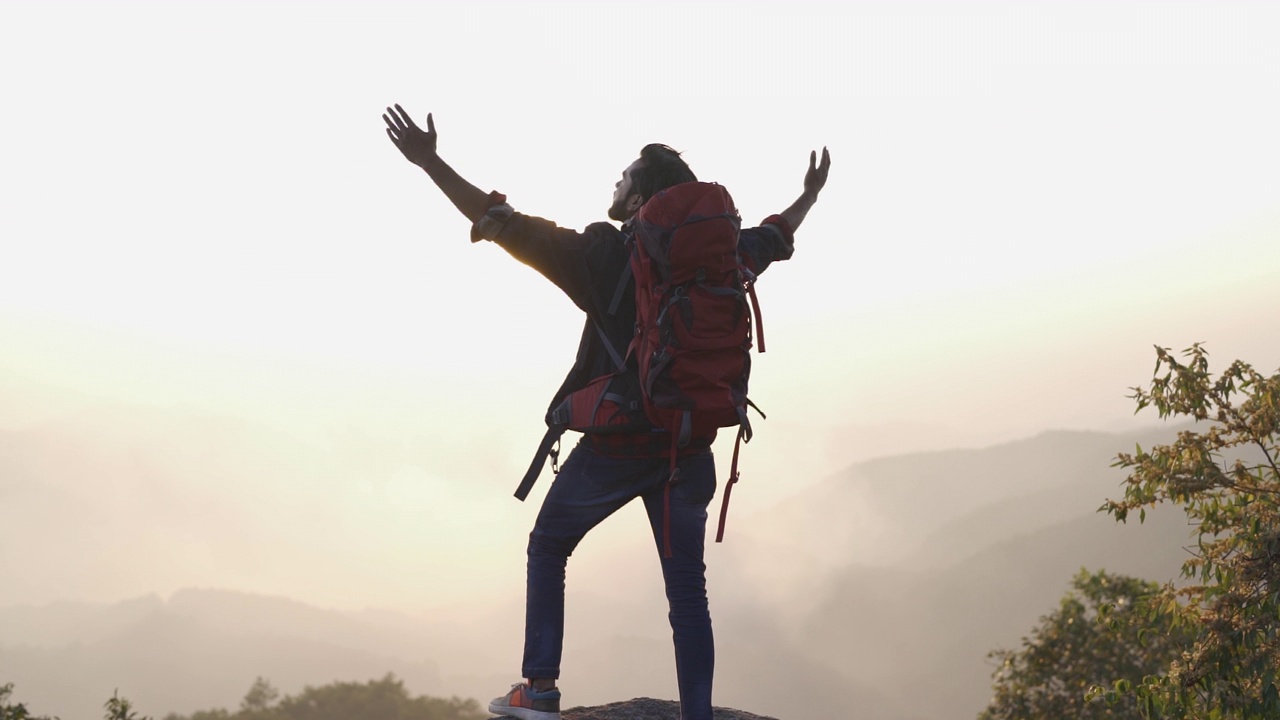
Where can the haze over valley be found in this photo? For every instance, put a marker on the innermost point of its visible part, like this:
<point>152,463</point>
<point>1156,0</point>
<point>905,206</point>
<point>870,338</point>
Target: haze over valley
<point>263,405</point>
<point>893,572</point>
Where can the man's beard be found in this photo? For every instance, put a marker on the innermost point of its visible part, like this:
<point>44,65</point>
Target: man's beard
<point>618,211</point>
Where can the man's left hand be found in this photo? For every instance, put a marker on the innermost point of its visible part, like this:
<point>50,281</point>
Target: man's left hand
<point>816,177</point>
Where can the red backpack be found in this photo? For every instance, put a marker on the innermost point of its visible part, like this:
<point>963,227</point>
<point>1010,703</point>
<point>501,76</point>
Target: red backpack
<point>693,334</point>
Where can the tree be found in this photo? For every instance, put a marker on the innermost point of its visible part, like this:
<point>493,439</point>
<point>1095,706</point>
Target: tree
<point>16,711</point>
<point>1223,473</point>
<point>258,700</point>
<point>385,699</point>
<point>119,708</point>
<point>1098,635</point>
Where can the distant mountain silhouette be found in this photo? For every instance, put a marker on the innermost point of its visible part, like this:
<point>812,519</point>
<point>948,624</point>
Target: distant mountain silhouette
<point>202,649</point>
<point>941,623</point>
<point>884,510</point>
<point>882,588</point>
<point>969,548</point>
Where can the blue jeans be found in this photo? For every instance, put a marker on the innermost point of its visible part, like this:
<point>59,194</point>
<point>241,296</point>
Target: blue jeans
<point>589,488</point>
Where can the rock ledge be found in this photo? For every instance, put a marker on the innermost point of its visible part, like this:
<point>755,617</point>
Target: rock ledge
<point>648,709</point>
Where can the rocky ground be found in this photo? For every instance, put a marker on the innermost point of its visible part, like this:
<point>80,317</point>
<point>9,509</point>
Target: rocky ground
<point>648,709</point>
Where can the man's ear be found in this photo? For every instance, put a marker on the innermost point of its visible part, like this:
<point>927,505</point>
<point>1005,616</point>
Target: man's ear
<point>634,201</point>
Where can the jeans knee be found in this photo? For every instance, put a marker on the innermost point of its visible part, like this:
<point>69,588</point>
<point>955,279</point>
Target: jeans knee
<point>543,546</point>
<point>688,597</point>
<point>688,600</point>
<point>690,620</point>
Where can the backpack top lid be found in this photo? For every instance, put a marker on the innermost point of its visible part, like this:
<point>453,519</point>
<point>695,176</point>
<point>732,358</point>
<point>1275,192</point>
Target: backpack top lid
<point>688,226</point>
<point>686,202</point>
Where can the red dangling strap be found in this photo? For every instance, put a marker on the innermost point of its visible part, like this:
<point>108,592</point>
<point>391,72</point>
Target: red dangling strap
<point>728,487</point>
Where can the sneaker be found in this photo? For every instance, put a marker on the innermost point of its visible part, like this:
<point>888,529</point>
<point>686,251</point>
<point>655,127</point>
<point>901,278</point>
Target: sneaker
<point>528,704</point>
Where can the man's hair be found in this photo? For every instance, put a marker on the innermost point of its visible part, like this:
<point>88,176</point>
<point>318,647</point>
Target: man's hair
<point>660,168</point>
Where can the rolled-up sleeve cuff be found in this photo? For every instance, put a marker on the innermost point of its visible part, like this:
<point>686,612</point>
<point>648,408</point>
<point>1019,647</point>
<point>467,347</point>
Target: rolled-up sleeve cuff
<point>787,246</point>
<point>490,225</point>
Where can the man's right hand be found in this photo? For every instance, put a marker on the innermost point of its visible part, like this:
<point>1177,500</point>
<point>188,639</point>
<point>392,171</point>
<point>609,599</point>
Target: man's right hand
<point>418,147</point>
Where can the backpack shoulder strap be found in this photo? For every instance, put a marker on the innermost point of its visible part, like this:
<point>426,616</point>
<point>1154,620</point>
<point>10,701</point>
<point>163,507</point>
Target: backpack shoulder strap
<point>545,449</point>
<point>622,287</point>
<point>614,355</point>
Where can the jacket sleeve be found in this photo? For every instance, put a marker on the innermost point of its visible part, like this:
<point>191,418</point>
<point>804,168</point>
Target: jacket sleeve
<point>762,246</point>
<point>573,260</point>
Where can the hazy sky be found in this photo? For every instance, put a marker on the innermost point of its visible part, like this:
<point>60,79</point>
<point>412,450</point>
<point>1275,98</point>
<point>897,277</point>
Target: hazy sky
<point>199,209</point>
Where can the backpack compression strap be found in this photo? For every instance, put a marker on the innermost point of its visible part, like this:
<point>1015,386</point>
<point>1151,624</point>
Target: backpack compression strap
<point>744,435</point>
<point>728,487</point>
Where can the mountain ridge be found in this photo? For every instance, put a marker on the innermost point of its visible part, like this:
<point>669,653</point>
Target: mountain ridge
<point>830,621</point>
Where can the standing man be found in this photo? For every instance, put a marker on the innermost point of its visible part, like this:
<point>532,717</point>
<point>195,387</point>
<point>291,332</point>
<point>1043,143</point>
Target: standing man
<point>605,472</point>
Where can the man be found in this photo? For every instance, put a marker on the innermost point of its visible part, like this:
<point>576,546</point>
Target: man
<point>605,472</point>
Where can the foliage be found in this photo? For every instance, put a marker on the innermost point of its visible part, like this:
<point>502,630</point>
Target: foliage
<point>385,699</point>
<point>1224,475</point>
<point>119,708</point>
<point>1098,634</point>
<point>16,711</point>
<point>260,696</point>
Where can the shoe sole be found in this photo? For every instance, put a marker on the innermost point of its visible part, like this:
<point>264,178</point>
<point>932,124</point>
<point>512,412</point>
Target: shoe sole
<point>522,713</point>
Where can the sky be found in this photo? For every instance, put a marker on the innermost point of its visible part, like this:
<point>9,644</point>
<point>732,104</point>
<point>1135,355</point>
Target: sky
<point>199,210</point>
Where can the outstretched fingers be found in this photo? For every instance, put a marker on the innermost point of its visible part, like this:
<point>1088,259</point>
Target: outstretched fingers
<point>400,124</point>
<point>404,117</point>
<point>396,122</point>
<point>418,147</point>
<point>813,161</point>
<point>816,177</point>
<point>395,126</point>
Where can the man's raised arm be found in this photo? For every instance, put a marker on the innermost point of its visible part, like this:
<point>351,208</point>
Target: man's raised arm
<point>775,238</point>
<point>419,148</point>
<point>814,180</point>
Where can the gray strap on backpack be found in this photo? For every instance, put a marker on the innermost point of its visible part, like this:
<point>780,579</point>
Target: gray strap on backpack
<point>613,352</point>
<point>617,294</point>
<point>617,358</point>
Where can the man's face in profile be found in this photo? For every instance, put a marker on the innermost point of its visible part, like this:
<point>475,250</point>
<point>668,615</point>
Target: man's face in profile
<point>625,202</point>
